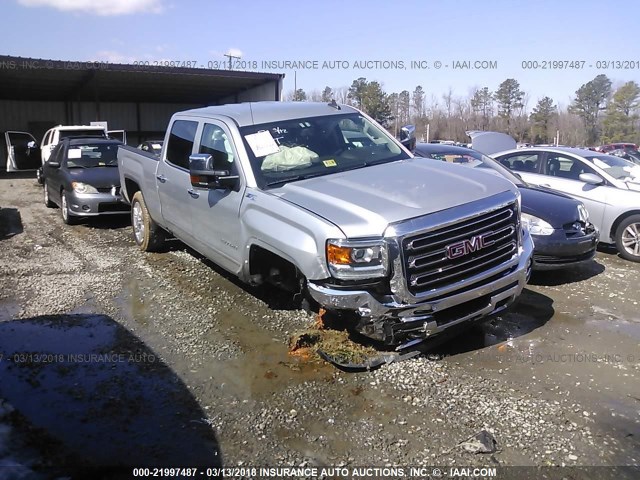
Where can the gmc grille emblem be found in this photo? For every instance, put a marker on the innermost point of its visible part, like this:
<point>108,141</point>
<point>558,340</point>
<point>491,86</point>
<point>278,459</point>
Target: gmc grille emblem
<point>465,247</point>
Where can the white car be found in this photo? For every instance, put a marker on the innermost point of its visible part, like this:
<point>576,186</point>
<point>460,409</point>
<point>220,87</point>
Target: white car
<point>608,186</point>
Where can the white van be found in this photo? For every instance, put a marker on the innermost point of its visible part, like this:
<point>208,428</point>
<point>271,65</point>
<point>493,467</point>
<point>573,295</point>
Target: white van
<point>55,134</point>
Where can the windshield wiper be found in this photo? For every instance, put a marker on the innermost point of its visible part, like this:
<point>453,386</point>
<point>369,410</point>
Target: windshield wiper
<point>295,178</point>
<point>370,163</point>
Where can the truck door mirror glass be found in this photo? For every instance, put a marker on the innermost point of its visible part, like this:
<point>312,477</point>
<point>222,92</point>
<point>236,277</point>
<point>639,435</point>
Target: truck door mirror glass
<point>408,137</point>
<point>204,176</point>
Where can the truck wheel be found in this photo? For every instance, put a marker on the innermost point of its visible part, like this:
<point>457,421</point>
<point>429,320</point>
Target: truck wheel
<point>628,238</point>
<point>39,176</point>
<point>47,201</point>
<point>147,234</point>
<point>67,217</point>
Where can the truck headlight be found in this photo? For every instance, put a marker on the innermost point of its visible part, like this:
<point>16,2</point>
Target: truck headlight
<point>356,260</point>
<point>535,225</point>
<point>80,187</point>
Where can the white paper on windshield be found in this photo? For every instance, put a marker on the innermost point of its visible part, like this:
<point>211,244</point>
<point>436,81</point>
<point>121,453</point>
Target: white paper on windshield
<point>74,153</point>
<point>262,143</point>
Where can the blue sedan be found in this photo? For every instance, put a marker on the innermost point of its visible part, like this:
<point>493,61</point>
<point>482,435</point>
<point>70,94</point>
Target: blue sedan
<point>562,234</point>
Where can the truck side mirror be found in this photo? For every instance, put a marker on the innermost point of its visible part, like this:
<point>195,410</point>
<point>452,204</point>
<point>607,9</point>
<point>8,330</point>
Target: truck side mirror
<point>205,177</point>
<point>408,137</point>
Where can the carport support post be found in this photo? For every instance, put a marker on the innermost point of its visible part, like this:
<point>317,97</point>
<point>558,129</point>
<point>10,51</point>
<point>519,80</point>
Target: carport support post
<point>68,112</point>
<point>97,118</point>
<point>138,127</point>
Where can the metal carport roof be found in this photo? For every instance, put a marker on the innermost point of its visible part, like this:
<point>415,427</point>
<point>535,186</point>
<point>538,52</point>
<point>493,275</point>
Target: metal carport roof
<point>41,79</point>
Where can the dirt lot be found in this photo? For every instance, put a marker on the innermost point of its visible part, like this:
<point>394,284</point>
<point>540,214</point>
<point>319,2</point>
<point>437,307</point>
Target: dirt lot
<point>166,360</point>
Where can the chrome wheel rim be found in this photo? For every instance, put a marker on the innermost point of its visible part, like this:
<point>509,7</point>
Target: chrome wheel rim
<point>65,212</point>
<point>46,194</point>
<point>138,222</point>
<point>631,239</point>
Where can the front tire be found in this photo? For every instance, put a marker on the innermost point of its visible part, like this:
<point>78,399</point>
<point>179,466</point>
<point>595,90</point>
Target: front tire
<point>628,238</point>
<point>67,216</point>
<point>147,234</point>
<point>47,201</point>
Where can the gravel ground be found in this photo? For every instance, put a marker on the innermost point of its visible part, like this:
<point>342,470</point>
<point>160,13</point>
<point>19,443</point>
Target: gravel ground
<point>555,382</point>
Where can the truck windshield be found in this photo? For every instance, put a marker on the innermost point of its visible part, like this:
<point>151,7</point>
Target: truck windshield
<point>291,150</point>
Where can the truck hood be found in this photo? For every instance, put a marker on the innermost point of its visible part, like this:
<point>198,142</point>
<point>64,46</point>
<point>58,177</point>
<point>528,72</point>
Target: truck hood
<point>363,202</point>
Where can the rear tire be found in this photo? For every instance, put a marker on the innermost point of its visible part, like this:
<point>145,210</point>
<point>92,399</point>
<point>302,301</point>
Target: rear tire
<point>65,212</point>
<point>47,201</point>
<point>147,234</point>
<point>628,238</point>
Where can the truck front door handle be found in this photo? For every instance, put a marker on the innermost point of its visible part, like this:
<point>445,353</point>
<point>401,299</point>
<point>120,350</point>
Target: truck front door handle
<point>193,193</point>
<point>161,178</point>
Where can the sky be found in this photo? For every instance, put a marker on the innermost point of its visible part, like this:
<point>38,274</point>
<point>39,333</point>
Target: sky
<point>383,37</point>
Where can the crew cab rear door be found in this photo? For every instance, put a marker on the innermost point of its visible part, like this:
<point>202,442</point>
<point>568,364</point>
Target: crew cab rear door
<point>173,181</point>
<point>22,152</point>
<point>215,211</point>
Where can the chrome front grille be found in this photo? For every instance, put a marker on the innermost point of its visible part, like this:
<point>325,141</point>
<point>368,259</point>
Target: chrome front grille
<point>443,256</point>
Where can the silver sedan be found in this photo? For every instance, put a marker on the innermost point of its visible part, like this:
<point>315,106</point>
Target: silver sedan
<point>609,187</point>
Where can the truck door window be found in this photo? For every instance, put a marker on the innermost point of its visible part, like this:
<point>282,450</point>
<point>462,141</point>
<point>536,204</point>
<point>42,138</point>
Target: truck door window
<point>181,140</point>
<point>215,142</point>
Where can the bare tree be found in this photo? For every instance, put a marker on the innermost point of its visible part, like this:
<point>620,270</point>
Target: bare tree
<point>448,105</point>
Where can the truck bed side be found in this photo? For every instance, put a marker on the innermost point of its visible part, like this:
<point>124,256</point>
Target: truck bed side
<point>138,172</point>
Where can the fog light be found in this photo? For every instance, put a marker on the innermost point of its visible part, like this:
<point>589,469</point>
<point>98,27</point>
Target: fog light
<point>86,208</point>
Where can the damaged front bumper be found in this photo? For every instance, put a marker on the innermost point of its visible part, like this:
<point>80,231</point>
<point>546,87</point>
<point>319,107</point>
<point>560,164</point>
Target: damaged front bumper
<point>389,319</point>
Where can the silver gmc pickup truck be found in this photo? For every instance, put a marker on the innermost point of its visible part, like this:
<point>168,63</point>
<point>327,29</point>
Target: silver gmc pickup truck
<point>320,200</point>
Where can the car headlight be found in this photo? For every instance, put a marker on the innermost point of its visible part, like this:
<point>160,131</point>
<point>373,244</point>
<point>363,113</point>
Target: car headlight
<point>355,260</point>
<point>583,213</point>
<point>535,225</point>
<point>80,187</point>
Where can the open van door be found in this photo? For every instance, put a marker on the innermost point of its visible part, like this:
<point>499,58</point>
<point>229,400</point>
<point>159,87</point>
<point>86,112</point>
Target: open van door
<point>21,151</point>
<point>118,135</point>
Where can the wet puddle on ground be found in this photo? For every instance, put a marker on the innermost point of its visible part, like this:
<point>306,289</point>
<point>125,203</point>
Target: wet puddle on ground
<point>593,358</point>
<point>265,365</point>
<point>259,362</point>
